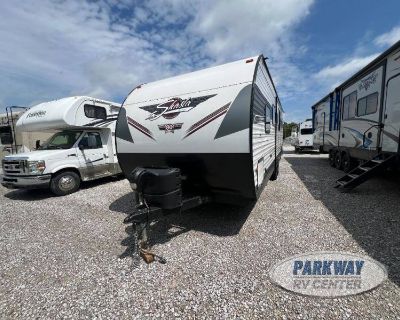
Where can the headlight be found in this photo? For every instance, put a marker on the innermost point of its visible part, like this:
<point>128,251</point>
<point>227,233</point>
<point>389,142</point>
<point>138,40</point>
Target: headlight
<point>36,167</point>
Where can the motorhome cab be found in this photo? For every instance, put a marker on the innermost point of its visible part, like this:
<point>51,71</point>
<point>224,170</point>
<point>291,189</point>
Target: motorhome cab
<point>359,122</point>
<point>304,138</point>
<point>81,146</point>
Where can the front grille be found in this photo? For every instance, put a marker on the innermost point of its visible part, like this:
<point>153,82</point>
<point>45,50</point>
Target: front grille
<point>14,167</point>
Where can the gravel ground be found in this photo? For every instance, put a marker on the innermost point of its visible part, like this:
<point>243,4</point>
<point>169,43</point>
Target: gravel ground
<point>70,257</point>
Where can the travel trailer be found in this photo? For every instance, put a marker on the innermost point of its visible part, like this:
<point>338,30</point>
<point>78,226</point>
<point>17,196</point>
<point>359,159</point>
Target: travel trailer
<point>210,135</point>
<point>304,137</point>
<point>13,141</point>
<point>81,145</point>
<point>359,122</point>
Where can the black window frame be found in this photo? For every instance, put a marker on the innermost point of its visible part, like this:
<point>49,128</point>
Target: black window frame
<point>267,115</point>
<point>343,111</point>
<point>308,129</point>
<point>86,147</point>
<point>366,104</point>
<point>6,135</point>
<point>96,109</point>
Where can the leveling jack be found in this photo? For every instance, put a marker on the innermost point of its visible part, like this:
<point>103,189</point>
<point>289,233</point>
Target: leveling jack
<point>141,228</point>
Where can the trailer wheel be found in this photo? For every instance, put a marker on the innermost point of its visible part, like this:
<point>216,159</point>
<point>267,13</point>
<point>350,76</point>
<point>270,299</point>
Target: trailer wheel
<point>275,173</point>
<point>64,183</point>
<point>338,160</point>
<point>332,154</point>
<point>347,162</point>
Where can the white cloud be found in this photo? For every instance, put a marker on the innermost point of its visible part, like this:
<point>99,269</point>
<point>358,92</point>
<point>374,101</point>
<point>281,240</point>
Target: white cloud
<point>388,38</point>
<point>237,28</point>
<point>334,75</point>
<point>78,47</point>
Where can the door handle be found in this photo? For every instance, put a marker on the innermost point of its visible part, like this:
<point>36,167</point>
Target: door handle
<point>72,155</point>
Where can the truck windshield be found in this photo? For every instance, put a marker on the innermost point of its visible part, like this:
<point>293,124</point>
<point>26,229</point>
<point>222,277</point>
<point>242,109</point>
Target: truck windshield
<point>306,131</point>
<point>61,140</point>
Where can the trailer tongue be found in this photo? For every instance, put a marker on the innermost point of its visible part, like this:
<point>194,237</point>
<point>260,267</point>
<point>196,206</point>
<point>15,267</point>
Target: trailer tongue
<point>157,192</point>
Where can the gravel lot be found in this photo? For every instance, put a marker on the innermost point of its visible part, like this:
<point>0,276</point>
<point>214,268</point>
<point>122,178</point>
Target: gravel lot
<point>70,257</point>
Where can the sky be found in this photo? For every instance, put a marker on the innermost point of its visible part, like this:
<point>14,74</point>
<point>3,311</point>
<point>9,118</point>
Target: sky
<point>53,49</point>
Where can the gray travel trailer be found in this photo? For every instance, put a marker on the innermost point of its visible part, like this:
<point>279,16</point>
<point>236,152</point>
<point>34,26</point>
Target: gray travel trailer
<point>210,135</point>
<point>358,123</point>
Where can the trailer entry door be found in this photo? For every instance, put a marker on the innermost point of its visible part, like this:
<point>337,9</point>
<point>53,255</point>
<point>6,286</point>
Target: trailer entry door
<point>391,131</point>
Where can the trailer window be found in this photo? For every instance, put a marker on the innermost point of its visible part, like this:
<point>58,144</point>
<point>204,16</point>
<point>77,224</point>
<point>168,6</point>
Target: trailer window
<point>306,131</point>
<point>367,105</point>
<point>6,135</point>
<point>349,106</point>
<point>95,112</point>
<point>268,119</point>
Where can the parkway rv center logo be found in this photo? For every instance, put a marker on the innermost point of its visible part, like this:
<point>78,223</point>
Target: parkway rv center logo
<point>328,274</point>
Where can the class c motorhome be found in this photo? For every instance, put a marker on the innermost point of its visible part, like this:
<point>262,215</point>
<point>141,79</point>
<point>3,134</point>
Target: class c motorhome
<point>358,123</point>
<point>80,146</point>
<point>210,135</point>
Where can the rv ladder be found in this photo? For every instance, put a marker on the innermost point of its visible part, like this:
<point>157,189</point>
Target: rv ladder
<point>364,171</point>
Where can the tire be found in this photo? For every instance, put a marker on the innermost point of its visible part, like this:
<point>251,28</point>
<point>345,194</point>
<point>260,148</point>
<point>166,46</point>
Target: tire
<point>275,174</point>
<point>347,162</point>
<point>332,154</point>
<point>64,183</point>
<point>338,160</point>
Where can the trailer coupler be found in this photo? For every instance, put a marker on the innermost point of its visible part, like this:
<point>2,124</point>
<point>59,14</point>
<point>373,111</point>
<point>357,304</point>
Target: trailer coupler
<point>142,217</point>
<point>157,193</point>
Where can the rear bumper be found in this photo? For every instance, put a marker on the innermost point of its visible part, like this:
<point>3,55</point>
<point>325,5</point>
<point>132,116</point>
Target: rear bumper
<point>26,182</point>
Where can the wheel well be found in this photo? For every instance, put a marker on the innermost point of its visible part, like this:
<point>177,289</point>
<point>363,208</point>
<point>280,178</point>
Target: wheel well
<point>67,169</point>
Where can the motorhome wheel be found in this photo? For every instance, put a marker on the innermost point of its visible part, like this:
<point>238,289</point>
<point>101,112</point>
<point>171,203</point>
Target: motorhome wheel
<point>65,183</point>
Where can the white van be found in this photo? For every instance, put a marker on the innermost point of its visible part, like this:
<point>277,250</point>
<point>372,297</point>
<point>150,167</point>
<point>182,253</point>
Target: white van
<point>81,148</point>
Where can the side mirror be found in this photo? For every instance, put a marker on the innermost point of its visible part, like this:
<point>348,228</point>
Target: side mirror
<point>37,144</point>
<point>81,147</point>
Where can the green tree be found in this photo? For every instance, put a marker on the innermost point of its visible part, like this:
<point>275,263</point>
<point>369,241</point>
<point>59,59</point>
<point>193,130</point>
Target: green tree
<point>287,128</point>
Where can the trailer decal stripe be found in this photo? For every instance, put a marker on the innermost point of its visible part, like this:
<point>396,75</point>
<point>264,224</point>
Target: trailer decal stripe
<point>139,127</point>
<point>391,136</point>
<point>236,119</point>
<point>206,120</point>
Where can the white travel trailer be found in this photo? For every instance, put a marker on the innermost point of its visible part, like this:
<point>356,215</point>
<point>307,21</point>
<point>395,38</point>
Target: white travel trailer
<point>14,141</point>
<point>359,123</point>
<point>210,135</point>
<point>81,147</point>
<point>304,137</point>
